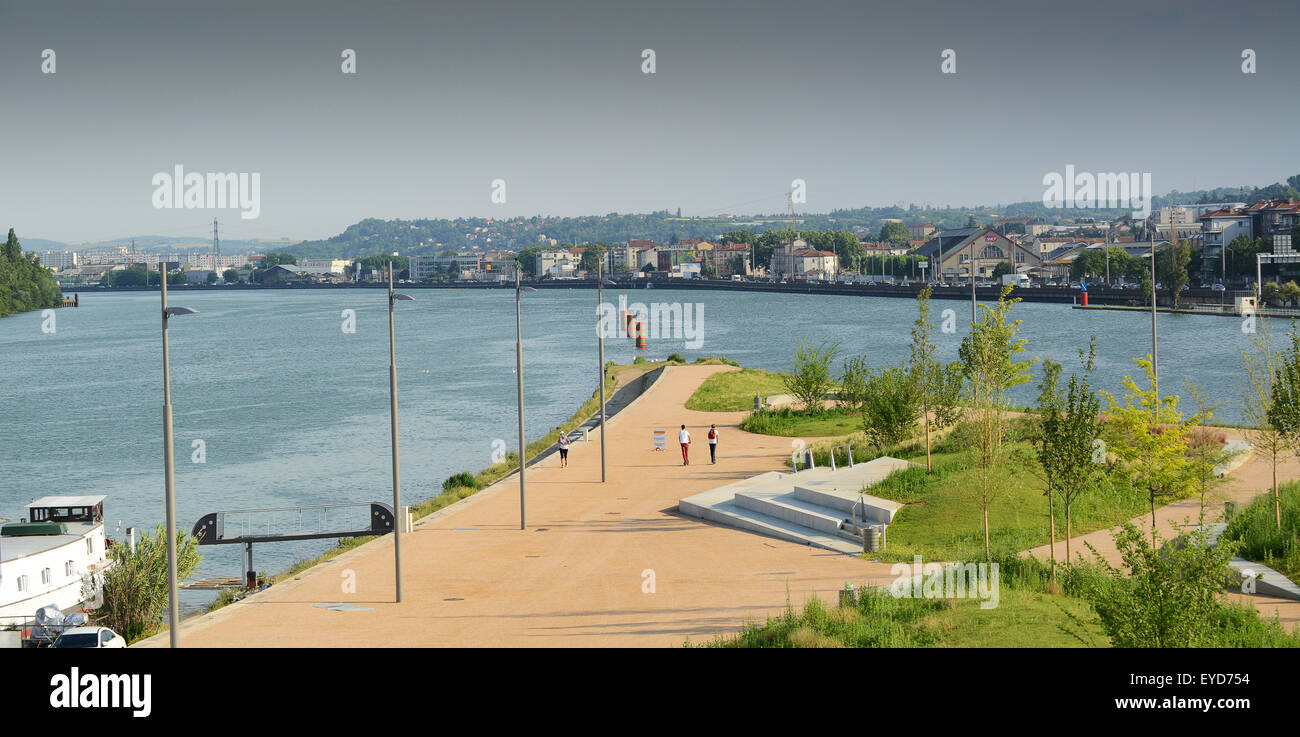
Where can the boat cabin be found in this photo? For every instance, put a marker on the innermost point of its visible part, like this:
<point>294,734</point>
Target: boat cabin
<point>88,509</point>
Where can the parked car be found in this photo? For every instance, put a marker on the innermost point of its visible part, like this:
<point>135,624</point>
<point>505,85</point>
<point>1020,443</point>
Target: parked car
<point>89,637</point>
<point>1218,287</point>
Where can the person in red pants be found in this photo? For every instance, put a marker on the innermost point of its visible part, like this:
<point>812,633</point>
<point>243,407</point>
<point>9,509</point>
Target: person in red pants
<point>684,437</point>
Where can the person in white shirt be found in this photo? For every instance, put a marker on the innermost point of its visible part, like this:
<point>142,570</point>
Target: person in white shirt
<point>713,443</point>
<point>564,450</point>
<point>684,437</point>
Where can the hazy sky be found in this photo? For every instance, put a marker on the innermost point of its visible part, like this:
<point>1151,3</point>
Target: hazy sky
<point>550,97</point>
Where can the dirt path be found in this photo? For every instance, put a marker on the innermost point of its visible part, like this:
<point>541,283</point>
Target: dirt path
<point>577,576</point>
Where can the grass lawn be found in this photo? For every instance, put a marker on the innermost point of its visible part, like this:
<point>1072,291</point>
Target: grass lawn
<point>734,391</point>
<point>944,521</point>
<point>788,422</point>
<point>1021,619</point>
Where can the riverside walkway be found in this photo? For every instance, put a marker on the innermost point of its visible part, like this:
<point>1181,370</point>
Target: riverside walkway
<point>581,574</point>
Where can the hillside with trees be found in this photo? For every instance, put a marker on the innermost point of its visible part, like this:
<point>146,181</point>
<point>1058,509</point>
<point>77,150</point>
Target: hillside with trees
<point>24,283</point>
<point>428,237</point>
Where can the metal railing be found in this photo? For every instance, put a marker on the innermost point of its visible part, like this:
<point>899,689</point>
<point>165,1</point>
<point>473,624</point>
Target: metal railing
<point>294,523</point>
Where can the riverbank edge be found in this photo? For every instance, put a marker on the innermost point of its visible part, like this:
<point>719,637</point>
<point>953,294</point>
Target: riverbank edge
<point>486,492</point>
<point>1057,295</point>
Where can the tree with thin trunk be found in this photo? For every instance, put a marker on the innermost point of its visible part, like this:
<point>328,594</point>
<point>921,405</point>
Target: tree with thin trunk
<point>938,387</point>
<point>1148,434</point>
<point>1261,363</point>
<point>1284,408</point>
<point>1069,427</point>
<point>989,367</point>
<point>1206,449</point>
<point>810,378</point>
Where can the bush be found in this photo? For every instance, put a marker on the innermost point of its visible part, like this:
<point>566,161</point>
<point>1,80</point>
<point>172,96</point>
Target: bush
<point>135,587</point>
<point>638,359</point>
<point>1161,597</point>
<point>463,479</point>
<point>1255,527</point>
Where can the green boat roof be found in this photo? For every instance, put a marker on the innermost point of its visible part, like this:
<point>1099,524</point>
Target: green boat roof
<point>25,529</point>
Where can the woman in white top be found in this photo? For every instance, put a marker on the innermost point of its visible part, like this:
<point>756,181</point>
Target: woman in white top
<point>564,450</point>
<point>713,443</point>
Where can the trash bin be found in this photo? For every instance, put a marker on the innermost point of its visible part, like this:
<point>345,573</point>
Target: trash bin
<point>1229,510</point>
<point>872,538</point>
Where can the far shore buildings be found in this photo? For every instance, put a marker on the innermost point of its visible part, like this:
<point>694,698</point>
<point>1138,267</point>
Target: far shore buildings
<point>950,252</point>
<point>794,260</point>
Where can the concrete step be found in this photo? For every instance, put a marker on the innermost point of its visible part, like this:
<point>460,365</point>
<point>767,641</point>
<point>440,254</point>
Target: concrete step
<point>731,515</point>
<point>867,509</point>
<point>792,509</point>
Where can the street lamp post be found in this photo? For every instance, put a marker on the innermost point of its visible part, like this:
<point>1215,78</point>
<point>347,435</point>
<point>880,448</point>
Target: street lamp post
<point>1155,371</point>
<point>600,332</point>
<point>399,519</point>
<point>519,373</point>
<point>169,463</point>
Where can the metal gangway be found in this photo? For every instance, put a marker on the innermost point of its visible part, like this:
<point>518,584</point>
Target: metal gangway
<point>286,524</point>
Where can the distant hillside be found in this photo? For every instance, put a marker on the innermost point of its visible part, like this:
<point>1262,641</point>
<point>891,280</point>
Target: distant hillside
<point>416,237</point>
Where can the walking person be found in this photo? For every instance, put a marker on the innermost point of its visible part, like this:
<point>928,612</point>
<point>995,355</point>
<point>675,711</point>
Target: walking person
<point>713,443</point>
<point>564,450</point>
<point>684,437</point>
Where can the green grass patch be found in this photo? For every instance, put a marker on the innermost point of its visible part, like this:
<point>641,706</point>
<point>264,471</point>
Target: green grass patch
<point>1030,612</point>
<point>1022,618</point>
<point>734,391</point>
<point>1255,527</point>
<point>790,422</point>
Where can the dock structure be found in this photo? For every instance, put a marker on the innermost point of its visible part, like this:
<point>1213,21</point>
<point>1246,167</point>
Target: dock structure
<point>285,524</point>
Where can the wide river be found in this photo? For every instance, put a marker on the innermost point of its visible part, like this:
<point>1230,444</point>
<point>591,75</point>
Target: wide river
<point>293,410</point>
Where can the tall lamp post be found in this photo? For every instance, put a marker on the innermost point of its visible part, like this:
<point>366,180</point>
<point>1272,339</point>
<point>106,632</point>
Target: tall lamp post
<point>519,374</point>
<point>601,283</point>
<point>1155,371</point>
<point>399,519</point>
<point>169,463</point>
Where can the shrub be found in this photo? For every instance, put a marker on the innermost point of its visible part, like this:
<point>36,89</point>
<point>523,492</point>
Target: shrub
<point>464,478</point>
<point>675,358</point>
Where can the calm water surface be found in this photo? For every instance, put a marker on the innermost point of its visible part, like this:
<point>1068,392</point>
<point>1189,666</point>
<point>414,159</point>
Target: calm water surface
<point>294,411</point>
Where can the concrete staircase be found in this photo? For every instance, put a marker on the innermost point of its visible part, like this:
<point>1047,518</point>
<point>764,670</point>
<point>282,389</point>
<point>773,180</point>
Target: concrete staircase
<point>817,507</point>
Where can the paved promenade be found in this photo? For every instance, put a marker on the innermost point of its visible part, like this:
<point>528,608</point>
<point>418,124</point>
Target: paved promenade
<point>580,575</point>
<point>574,578</point>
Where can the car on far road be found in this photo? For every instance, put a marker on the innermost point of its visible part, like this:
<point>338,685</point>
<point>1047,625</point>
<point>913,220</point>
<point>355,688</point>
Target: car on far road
<point>1218,287</point>
<point>89,637</point>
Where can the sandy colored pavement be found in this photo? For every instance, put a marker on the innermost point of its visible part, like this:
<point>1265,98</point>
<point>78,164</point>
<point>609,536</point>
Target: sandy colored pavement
<point>575,577</point>
<point>581,574</point>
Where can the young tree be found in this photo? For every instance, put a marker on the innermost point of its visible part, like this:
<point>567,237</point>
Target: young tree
<point>937,386</point>
<point>890,412</point>
<point>810,378</point>
<point>1262,364</point>
<point>990,369</point>
<point>1205,448</point>
<point>1069,425</point>
<point>1284,408</point>
<point>1149,436</point>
